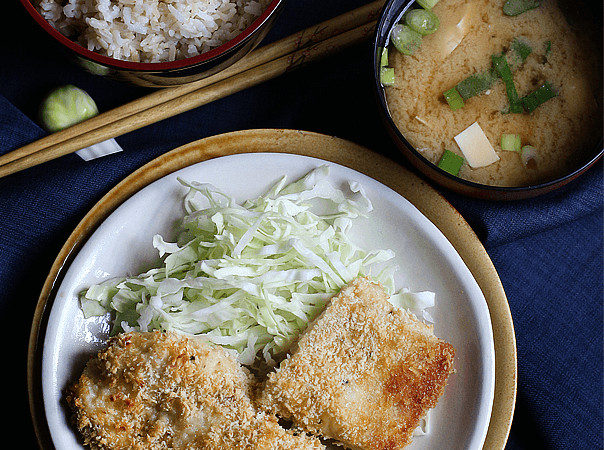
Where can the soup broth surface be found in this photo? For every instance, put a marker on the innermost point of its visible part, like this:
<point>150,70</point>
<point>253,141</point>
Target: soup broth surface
<point>564,130</point>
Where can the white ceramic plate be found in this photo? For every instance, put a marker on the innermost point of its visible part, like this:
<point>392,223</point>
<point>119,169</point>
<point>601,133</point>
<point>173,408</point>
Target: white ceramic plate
<point>122,245</point>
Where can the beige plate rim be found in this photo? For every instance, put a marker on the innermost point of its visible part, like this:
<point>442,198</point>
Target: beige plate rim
<point>427,200</point>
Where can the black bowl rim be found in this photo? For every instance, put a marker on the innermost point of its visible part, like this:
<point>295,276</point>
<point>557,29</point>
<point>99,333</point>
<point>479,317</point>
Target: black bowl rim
<point>545,186</point>
<point>152,67</point>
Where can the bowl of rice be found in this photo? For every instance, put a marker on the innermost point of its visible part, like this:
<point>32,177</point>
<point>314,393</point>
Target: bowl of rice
<point>486,104</point>
<point>155,43</point>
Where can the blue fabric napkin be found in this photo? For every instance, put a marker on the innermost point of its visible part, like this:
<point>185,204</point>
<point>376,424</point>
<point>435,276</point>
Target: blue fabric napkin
<point>548,253</point>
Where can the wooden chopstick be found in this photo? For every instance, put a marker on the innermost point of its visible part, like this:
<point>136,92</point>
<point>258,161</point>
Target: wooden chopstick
<point>260,65</point>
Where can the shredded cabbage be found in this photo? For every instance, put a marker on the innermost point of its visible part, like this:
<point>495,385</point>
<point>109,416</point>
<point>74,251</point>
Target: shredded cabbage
<point>250,277</point>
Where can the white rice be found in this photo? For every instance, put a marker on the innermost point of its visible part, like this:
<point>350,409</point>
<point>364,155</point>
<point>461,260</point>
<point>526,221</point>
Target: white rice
<point>150,30</point>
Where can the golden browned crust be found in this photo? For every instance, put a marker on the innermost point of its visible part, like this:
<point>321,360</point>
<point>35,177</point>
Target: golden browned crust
<point>165,390</point>
<point>364,373</point>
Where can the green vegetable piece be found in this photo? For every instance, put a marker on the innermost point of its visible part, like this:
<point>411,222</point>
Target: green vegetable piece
<point>516,7</point>
<point>427,4</point>
<point>405,40</point>
<point>501,66</point>
<point>65,106</point>
<point>476,84</point>
<point>386,73</point>
<point>384,57</point>
<point>450,162</point>
<point>528,156</point>
<point>387,76</point>
<point>454,99</point>
<point>539,96</point>
<point>520,50</point>
<point>510,142</point>
<point>548,48</point>
<point>423,21</point>
<point>515,108</point>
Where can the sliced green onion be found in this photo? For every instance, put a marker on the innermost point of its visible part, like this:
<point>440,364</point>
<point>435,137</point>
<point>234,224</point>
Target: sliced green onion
<point>422,20</point>
<point>405,39</point>
<point>476,84</point>
<point>454,99</point>
<point>510,142</point>
<point>529,156</point>
<point>503,69</point>
<point>539,96</point>
<point>427,4</point>
<point>384,57</point>
<point>450,162</point>
<point>519,51</point>
<point>516,7</point>
<point>387,76</point>
<point>548,48</point>
<point>386,73</point>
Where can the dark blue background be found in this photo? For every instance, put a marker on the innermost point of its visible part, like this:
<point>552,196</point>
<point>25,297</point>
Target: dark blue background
<point>548,251</point>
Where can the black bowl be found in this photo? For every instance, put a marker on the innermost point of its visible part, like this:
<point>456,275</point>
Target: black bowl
<point>391,14</point>
<point>164,74</point>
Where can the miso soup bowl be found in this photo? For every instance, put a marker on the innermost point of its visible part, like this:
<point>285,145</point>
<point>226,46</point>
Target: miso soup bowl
<point>392,14</point>
<point>163,74</point>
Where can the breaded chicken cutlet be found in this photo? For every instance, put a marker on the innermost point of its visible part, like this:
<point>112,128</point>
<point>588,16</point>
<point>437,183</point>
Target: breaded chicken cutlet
<point>165,390</point>
<point>363,374</point>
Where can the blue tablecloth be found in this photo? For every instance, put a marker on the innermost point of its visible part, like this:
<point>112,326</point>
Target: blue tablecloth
<point>548,251</point>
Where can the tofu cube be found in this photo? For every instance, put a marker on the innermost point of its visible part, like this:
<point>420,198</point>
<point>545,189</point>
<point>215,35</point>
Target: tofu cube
<point>476,147</point>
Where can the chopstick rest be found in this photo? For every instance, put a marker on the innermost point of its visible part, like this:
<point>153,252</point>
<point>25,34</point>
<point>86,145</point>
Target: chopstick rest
<point>108,147</point>
<point>68,105</point>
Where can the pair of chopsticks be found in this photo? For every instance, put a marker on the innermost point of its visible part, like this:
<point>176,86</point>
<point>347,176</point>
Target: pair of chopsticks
<point>260,65</point>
